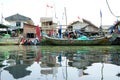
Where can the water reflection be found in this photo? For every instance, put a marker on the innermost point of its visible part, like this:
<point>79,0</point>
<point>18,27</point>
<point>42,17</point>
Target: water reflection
<point>39,63</point>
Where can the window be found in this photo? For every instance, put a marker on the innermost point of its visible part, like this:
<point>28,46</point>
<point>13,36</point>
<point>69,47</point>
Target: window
<point>50,23</point>
<point>30,35</point>
<point>18,24</point>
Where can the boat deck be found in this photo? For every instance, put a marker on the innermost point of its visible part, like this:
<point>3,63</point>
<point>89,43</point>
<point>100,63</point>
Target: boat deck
<point>9,41</point>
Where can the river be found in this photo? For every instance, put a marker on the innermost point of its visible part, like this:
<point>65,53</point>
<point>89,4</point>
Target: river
<point>19,62</point>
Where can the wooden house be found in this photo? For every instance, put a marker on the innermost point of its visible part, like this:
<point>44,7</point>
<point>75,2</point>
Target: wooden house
<point>17,22</point>
<point>47,24</point>
<point>29,31</point>
<point>85,26</point>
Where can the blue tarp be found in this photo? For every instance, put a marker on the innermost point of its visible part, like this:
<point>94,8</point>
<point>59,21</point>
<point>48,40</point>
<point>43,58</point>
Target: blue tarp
<point>83,38</point>
<point>113,28</point>
<point>78,31</point>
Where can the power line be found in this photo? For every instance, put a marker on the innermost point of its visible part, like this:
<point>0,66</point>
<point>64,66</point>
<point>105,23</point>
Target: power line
<point>111,10</point>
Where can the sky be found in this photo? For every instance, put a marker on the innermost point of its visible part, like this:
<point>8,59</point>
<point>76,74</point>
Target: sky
<point>87,9</point>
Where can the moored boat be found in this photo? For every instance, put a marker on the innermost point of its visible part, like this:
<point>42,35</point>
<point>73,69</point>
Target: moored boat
<point>5,38</point>
<point>9,41</point>
<point>62,41</point>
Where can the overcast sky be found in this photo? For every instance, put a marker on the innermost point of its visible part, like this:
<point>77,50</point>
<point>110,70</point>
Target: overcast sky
<point>87,9</point>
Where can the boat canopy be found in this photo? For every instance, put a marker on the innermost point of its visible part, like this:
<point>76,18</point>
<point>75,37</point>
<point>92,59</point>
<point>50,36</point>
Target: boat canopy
<point>3,26</point>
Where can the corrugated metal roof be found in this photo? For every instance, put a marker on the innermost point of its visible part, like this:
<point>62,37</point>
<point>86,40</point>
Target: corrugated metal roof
<point>17,17</point>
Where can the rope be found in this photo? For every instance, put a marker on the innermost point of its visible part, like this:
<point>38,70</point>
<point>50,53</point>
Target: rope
<point>110,9</point>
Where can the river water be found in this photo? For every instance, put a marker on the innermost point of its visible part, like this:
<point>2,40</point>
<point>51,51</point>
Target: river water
<point>59,62</point>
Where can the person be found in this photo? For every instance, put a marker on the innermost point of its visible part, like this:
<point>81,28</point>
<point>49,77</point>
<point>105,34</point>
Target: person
<point>119,29</point>
<point>66,33</point>
<point>22,41</point>
<point>60,33</point>
<point>36,41</point>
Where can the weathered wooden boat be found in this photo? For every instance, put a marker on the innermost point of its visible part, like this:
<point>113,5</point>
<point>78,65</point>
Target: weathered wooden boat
<point>58,41</point>
<point>9,41</point>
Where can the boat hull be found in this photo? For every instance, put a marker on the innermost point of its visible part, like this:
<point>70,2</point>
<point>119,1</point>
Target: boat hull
<point>9,41</point>
<point>57,41</point>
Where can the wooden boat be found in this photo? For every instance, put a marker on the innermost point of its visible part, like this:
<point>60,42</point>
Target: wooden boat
<point>58,41</point>
<point>9,41</point>
<point>6,39</point>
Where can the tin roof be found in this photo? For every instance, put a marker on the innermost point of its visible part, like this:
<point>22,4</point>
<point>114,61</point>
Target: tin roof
<point>17,17</point>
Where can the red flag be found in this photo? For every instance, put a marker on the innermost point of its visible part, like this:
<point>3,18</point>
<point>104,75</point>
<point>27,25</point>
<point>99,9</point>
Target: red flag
<point>38,33</point>
<point>49,6</point>
<point>78,17</point>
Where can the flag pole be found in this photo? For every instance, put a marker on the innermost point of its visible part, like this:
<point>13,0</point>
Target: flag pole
<point>101,32</point>
<point>65,15</point>
<point>100,19</point>
<point>66,56</point>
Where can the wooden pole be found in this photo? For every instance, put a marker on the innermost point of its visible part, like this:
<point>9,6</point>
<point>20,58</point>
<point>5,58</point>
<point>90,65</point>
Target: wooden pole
<point>65,15</point>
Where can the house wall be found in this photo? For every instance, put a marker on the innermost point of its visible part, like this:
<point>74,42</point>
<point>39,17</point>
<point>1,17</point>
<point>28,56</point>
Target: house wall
<point>28,29</point>
<point>48,25</point>
<point>13,23</point>
<point>85,27</point>
<point>46,19</point>
<point>106,28</point>
<point>91,29</point>
<point>79,25</point>
<point>48,28</point>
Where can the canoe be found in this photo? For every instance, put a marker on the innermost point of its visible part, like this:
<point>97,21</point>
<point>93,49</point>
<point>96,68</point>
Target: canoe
<point>9,41</point>
<point>58,41</point>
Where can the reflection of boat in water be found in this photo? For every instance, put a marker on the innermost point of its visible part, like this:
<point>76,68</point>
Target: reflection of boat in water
<point>57,41</point>
<point>9,62</point>
<point>81,64</point>
<point>47,71</point>
<point>79,60</point>
<point>48,65</point>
